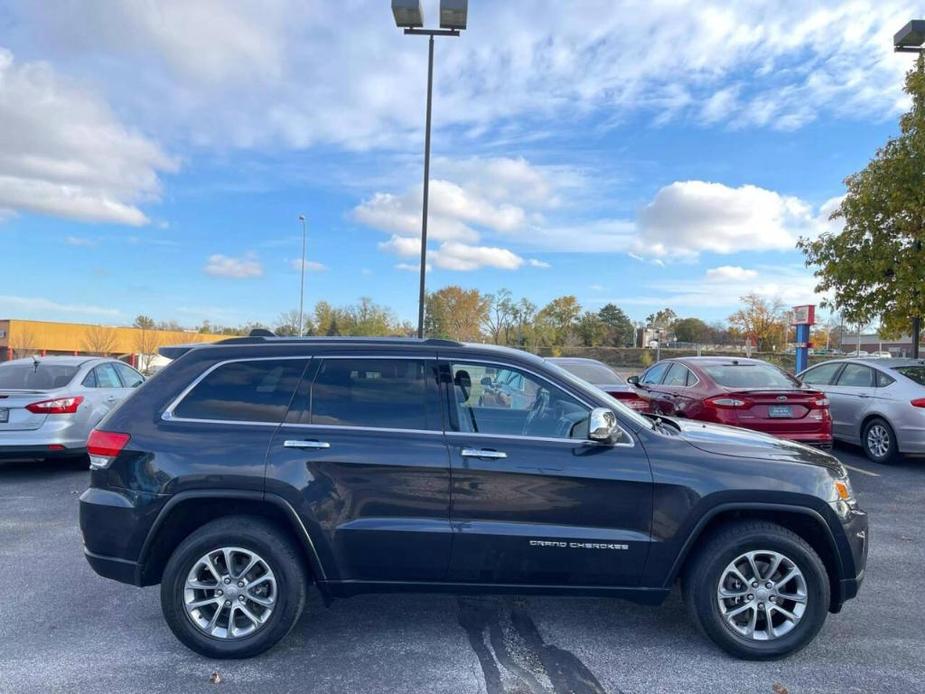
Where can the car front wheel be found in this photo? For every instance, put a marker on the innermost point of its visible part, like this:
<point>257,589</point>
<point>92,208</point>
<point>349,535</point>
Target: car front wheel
<point>233,588</point>
<point>758,590</point>
<point>879,442</point>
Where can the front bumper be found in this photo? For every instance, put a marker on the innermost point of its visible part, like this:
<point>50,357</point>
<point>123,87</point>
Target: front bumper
<point>856,543</point>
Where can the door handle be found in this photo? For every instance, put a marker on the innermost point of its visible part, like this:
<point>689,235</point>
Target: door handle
<point>306,444</point>
<point>111,398</point>
<point>482,453</point>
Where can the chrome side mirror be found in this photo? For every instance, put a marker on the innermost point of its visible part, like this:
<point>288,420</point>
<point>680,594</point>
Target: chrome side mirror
<point>602,424</point>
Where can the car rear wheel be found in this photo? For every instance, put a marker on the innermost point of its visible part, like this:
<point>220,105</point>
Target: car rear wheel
<point>758,590</point>
<point>233,588</point>
<point>879,441</point>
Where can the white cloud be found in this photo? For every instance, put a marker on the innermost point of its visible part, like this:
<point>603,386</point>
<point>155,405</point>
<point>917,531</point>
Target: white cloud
<point>64,153</point>
<point>80,241</point>
<point>459,256</point>
<point>287,72</point>
<point>310,265</point>
<point>34,305</point>
<point>731,272</point>
<point>541,264</point>
<point>688,217</point>
<point>219,265</point>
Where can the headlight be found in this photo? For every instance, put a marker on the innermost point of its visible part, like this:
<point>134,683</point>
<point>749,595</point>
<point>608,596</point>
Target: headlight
<point>843,490</point>
<point>844,502</point>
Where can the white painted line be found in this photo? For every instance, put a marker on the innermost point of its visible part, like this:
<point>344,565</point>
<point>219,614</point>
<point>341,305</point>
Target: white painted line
<point>863,472</point>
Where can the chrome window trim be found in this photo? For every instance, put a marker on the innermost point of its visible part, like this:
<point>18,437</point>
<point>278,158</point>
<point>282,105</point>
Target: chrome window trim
<point>356,427</point>
<point>549,439</point>
<point>626,434</point>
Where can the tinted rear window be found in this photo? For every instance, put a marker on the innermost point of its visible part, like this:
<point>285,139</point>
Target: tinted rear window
<point>43,376</point>
<point>916,373</point>
<point>592,373</point>
<point>379,393</point>
<point>749,376</point>
<point>245,391</point>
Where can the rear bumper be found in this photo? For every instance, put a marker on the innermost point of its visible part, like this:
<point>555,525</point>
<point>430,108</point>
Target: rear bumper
<point>41,452</point>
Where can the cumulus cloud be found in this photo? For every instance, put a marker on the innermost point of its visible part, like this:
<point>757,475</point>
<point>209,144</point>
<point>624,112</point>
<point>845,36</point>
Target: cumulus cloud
<point>64,153</point>
<point>688,217</point>
<point>459,256</point>
<point>219,265</point>
<point>730,272</point>
<point>541,264</point>
<point>310,265</point>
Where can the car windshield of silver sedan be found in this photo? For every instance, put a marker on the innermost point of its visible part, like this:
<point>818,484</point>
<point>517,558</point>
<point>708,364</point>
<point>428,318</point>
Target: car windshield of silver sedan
<point>750,376</point>
<point>36,375</point>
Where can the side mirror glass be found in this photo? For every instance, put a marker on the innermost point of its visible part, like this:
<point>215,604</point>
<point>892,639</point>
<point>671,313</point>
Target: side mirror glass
<point>633,380</point>
<point>602,424</point>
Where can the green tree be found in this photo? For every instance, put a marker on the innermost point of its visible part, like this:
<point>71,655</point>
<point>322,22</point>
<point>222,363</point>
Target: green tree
<point>620,329</point>
<point>287,324</point>
<point>500,316</point>
<point>663,319</point>
<point>591,330</point>
<point>369,319</point>
<point>691,330</point>
<point>874,266</point>
<point>556,320</point>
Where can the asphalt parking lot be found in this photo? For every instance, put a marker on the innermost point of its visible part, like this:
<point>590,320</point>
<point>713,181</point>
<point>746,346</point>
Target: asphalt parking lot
<point>63,629</point>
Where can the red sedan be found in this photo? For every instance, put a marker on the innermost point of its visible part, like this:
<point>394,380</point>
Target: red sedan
<point>740,392</point>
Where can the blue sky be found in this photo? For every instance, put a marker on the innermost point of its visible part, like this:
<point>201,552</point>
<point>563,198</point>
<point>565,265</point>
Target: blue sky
<point>154,157</point>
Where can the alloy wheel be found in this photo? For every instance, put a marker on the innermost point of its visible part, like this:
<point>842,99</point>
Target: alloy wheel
<point>878,440</point>
<point>762,595</point>
<point>230,593</point>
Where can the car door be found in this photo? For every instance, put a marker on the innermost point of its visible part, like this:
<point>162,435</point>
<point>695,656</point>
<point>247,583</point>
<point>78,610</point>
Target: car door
<point>849,399</point>
<point>650,385</point>
<point>363,447</point>
<point>104,389</point>
<point>674,389</point>
<point>533,501</point>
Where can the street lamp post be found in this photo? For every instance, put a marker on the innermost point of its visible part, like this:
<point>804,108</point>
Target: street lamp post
<point>302,279</point>
<point>910,39</point>
<point>410,17</point>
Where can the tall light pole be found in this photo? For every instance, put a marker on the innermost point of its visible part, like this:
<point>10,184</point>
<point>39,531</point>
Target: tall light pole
<point>410,17</point>
<point>302,279</point>
<point>910,39</point>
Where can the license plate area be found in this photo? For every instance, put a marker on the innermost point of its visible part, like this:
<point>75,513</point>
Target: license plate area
<point>4,415</point>
<point>780,411</point>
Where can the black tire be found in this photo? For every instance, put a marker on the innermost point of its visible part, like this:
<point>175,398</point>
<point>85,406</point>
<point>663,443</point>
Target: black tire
<point>892,452</point>
<point>250,533</point>
<point>704,572</point>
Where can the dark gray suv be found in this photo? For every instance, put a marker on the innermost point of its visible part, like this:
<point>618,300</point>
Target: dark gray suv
<point>250,469</point>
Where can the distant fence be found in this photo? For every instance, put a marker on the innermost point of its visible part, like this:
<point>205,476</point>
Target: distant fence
<point>636,357</point>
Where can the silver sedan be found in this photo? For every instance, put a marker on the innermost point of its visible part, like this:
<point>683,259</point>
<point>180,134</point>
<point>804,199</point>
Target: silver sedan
<point>48,405</point>
<point>877,403</point>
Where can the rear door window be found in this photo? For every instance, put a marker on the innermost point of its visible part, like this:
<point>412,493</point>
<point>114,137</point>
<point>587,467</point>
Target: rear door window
<point>375,393</point>
<point>106,377</point>
<point>857,376</point>
<point>258,390</point>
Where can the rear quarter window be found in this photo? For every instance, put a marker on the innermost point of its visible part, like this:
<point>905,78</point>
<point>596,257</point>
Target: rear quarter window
<point>244,391</point>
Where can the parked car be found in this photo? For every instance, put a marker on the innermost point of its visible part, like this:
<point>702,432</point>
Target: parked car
<point>739,392</point>
<point>602,376</point>
<point>48,405</point>
<point>883,354</point>
<point>251,467</point>
<point>879,404</point>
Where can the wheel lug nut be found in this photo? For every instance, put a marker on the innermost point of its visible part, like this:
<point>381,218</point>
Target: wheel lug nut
<point>750,597</point>
<point>754,584</point>
<point>227,603</point>
<point>241,598</point>
<point>768,585</point>
<point>772,599</point>
<point>760,605</point>
<point>227,581</point>
<point>219,592</point>
<point>240,584</point>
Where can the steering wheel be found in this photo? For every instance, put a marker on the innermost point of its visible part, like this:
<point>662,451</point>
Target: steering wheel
<point>537,410</point>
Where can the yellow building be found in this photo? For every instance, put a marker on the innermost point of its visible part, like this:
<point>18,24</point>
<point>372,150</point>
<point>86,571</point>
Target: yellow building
<point>23,338</point>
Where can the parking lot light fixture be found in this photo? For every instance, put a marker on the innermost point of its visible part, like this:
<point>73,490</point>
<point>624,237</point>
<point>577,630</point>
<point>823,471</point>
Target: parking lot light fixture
<point>910,38</point>
<point>410,17</point>
<point>408,14</point>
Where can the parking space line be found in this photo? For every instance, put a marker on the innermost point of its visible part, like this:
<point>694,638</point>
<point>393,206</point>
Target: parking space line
<point>861,470</point>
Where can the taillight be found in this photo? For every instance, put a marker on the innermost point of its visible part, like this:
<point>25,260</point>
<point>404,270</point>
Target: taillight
<point>56,406</point>
<point>726,402</point>
<point>631,400</point>
<point>822,402</point>
<point>104,446</point>
<point>920,402</point>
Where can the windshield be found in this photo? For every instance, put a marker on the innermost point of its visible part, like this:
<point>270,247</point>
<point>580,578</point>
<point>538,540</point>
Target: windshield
<point>591,371</point>
<point>915,373</point>
<point>36,376</point>
<point>750,376</point>
<point>614,404</point>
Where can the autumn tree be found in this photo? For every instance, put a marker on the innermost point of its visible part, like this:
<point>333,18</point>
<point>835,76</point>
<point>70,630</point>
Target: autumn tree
<point>287,324</point>
<point>369,319</point>
<point>663,319</point>
<point>762,320</point>
<point>99,340</point>
<point>499,319</point>
<point>875,266</point>
<point>557,319</point>
<point>620,329</point>
<point>145,341</point>
<point>456,313</point>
